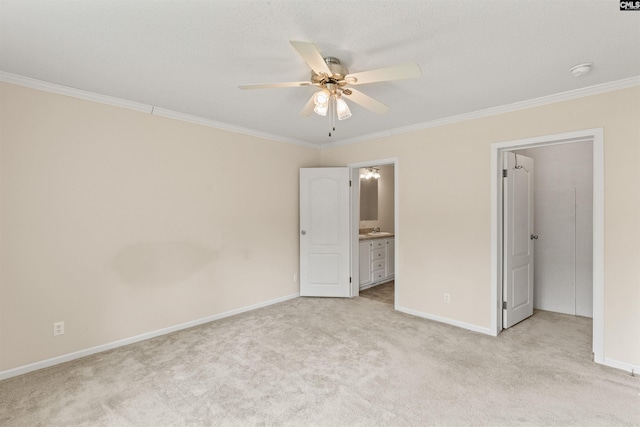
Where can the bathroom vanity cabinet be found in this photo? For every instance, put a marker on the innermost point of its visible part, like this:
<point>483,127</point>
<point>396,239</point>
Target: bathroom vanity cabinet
<point>377,257</point>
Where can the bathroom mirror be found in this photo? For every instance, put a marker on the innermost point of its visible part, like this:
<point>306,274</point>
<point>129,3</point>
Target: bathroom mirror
<point>368,199</point>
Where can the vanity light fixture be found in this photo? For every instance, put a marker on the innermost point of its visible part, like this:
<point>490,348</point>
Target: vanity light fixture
<point>369,173</point>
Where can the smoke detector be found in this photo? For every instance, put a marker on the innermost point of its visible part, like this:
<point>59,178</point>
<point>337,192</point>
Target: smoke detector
<point>581,69</point>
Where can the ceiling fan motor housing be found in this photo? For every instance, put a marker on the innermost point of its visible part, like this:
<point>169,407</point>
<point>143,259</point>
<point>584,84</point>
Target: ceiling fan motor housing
<point>338,73</point>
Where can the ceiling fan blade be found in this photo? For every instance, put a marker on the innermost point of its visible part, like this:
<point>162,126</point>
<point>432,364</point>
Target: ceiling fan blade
<point>366,101</point>
<point>275,85</point>
<point>312,57</point>
<point>308,107</point>
<point>405,71</point>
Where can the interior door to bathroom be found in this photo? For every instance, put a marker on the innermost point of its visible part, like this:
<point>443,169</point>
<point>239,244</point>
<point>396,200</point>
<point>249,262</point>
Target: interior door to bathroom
<point>325,259</point>
<point>518,239</point>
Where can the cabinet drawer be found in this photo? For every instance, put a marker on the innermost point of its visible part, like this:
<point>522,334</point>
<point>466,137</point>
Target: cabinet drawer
<point>378,243</point>
<point>378,275</point>
<point>377,254</point>
<point>377,265</point>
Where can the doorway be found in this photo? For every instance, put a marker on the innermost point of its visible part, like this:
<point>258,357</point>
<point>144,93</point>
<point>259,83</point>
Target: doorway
<point>594,137</point>
<point>563,226</point>
<point>386,222</point>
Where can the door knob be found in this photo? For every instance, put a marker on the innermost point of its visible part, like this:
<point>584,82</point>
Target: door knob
<point>303,232</point>
<point>534,237</point>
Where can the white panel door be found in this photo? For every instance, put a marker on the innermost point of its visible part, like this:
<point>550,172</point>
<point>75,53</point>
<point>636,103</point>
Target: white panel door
<point>517,277</point>
<point>324,232</point>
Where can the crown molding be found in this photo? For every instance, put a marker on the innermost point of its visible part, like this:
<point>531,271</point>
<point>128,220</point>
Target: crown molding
<point>73,92</point>
<point>225,126</point>
<point>508,108</point>
<point>150,109</point>
<point>144,108</point>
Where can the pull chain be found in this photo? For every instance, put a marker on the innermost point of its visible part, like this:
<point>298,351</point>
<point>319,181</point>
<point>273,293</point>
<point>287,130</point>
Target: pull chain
<point>332,118</point>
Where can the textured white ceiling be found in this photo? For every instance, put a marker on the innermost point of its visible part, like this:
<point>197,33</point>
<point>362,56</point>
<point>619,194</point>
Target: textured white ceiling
<point>190,56</point>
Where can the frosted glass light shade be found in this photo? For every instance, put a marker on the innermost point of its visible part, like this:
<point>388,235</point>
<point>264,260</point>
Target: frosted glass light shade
<point>321,98</point>
<point>342,109</point>
<point>321,109</point>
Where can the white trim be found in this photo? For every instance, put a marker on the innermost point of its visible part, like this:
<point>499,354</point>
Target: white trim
<point>516,106</point>
<point>120,343</point>
<point>387,161</point>
<point>597,137</point>
<point>598,245</point>
<point>464,325</point>
<point>225,126</point>
<point>73,92</point>
<point>502,109</point>
<point>396,230</point>
<point>145,108</point>
<point>354,241</point>
<point>629,367</point>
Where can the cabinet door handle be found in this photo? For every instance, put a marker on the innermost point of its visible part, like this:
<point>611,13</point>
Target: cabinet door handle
<point>303,232</point>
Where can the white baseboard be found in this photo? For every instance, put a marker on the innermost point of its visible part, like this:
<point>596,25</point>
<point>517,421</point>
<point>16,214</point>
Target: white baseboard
<point>115,344</point>
<point>612,363</point>
<point>629,367</point>
<point>469,326</point>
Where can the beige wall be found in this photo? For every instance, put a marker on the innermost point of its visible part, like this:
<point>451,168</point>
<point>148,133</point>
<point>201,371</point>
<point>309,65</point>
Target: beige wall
<point>121,223</point>
<point>444,211</point>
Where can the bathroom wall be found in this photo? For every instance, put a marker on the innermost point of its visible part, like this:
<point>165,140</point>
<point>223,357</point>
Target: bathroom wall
<point>563,221</point>
<point>385,201</point>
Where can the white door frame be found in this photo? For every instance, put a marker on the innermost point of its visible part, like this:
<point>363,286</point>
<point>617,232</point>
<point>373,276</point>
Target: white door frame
<point>355,221</point>
<point>596,136</point>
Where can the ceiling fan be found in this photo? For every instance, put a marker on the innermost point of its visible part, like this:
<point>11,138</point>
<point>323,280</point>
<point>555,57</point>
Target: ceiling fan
<point>334,82</point>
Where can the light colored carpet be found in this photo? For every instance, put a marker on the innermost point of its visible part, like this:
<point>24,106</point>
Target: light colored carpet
<point>334,362</point>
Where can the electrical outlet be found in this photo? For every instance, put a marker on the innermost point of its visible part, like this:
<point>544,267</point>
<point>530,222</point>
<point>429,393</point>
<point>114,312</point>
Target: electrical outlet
<point>295,277</point>
<point>58,328</point>
<point>447,297</point>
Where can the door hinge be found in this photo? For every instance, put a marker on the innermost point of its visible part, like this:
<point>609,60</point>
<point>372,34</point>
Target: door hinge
<point>504,305</point>
<point>349,183</point>
<point>349,279</point>
<point>504,173</point>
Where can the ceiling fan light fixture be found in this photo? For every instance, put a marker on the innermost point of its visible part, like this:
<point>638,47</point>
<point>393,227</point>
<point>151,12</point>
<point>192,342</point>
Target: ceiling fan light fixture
<point>321,109</point>
<point>331,79</point>
<point>321,98</point>
<point>342,109</point>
